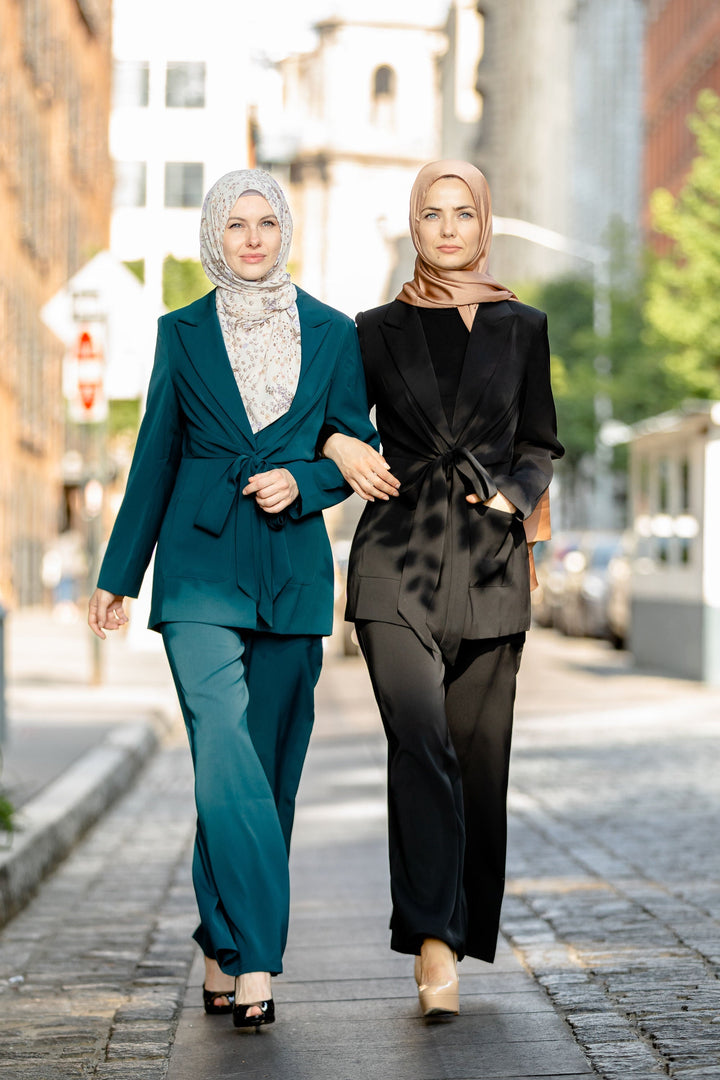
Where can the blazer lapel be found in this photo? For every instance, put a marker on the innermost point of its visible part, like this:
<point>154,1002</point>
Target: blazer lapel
<point>488,344</point>
<point>202,337</point>
<point>406,343</point>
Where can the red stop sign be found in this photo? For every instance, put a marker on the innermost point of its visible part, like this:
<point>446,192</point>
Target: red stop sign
<point>89,370</point>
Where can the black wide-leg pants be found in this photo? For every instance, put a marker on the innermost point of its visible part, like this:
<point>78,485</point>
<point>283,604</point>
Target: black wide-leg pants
<point>448,728</point>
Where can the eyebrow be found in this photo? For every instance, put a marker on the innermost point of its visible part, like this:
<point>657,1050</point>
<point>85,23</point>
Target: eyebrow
<point>265,217</point>
<point>468,207</point>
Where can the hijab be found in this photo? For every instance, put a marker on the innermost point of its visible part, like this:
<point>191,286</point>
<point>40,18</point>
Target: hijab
<point>472,285</point>
<point>259,319</point>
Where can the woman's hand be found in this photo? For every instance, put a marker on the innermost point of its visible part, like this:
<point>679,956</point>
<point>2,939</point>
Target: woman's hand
<point>274,490</point>
<point>105,612</point>
<point>363,468</point>
<point>497,502</point>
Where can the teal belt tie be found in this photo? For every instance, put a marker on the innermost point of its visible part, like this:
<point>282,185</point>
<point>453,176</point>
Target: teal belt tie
<point>266,573</point>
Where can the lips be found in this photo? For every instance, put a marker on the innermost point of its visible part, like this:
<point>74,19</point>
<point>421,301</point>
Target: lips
<point>447,250</point>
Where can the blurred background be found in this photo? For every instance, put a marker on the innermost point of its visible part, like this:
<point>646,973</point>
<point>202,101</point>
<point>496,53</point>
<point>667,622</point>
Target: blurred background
<point>597,124</point>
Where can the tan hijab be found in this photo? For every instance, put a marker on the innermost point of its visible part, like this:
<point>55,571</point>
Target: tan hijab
<point>472,285</point>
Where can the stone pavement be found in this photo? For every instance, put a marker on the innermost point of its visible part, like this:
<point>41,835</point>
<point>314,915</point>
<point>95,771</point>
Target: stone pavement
<point>611,919</point>
<point>614,868</point>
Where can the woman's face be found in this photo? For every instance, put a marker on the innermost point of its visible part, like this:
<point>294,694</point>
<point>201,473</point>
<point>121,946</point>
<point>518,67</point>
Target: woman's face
<point>252,238</point>
<point>449,229</point>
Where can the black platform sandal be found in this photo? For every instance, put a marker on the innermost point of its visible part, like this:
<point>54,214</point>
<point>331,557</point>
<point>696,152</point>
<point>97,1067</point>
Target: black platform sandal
<point>242,1020</point>
<point>209,998</point>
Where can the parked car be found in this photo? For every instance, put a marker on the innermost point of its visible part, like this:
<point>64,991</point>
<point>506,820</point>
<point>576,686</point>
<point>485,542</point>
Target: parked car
<point>551,569</point>
<point>584,608</point>
<point>634,558</point>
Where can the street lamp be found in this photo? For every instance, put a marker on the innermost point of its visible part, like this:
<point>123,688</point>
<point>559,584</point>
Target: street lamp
<point>599,259</point>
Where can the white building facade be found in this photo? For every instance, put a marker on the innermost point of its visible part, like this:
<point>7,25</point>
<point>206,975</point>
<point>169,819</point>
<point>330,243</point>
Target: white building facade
<point>179,121</point>
<point>362,115</point>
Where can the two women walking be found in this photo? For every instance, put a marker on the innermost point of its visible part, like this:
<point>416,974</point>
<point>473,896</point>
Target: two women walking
<point>257,420</point>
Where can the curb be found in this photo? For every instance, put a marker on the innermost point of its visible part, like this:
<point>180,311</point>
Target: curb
<point>54,820</point>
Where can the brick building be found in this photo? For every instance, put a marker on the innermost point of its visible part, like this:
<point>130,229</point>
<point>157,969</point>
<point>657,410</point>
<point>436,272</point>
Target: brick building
<point>682,57</point>
<point>55,190</point>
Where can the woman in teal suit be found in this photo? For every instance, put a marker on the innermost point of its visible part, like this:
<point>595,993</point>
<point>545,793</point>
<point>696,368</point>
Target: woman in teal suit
<point>225,480</point>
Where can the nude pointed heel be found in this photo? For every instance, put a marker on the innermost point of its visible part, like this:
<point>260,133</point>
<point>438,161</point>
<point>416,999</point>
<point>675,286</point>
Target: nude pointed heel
<point>441,998</point>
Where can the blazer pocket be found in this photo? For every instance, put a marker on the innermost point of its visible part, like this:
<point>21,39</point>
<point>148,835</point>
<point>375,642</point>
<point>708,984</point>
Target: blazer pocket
<point>492,536</point>
<point>185,551</point>
<point>380,542</point>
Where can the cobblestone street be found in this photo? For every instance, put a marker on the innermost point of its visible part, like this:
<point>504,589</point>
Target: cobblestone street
<point>614,869</point>
<point>611,916</point>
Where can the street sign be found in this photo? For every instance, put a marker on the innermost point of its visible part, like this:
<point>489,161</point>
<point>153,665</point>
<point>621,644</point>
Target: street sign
<point>84,376</point>
<point>105,298</point>
<point>90,370</point>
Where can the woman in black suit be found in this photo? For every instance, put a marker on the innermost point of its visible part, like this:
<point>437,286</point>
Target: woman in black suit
<point>438,580</point>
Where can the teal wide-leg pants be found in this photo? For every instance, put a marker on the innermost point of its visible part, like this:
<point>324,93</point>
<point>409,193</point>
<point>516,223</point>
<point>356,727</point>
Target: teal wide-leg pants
<point>247,700</point>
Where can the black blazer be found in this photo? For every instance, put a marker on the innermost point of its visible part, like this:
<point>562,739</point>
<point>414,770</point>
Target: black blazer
<point>429,558</point>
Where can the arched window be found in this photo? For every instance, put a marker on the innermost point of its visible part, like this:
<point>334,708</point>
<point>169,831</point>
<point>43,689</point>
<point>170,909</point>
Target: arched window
<point>383,82</point>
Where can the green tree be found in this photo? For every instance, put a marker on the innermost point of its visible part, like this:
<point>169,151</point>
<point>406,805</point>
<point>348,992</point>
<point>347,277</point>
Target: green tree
<point>7,823</point>
<point>634,380</point>
<point>183,281</point>
<point>569,306</point>
<point>682,308</point>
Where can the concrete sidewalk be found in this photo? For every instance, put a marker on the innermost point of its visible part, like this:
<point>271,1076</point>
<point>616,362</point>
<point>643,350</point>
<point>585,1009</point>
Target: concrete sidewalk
<point>70,748</point>
<point>54,714</point>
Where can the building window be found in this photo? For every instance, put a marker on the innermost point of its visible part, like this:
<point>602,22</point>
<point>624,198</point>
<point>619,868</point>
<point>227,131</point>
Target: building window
<point>131,84</point>
<point>183,183</point>
<point>185,85</point>
<point>384,82</point>
<point>130,183</point>
<point>383,97</point>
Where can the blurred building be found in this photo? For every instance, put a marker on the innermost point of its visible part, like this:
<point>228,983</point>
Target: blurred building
<point>607,125</point>
<point>54,212</point>
<point>674,588</point>
<point>524,145</point>
<point>180,120</point>
<point>362,115</point>
<point>682,57</point>
<point>460,102</point>
<point>561,130</point>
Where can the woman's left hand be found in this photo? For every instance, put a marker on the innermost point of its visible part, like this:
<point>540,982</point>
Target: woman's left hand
<point>497,502</point>
<point>274,491</point>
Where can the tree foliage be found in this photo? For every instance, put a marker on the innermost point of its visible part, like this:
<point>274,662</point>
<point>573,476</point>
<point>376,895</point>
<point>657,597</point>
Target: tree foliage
<point>7,823</point>
<point>183,281</point>
<point>634,378</point>
<point>682,308</point>
<point>568,303</point>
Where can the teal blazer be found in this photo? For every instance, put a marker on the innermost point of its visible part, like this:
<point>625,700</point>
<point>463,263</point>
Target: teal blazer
<point>220,558</point>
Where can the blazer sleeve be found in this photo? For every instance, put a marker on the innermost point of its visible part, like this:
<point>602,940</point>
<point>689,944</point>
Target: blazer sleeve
<point>320,482</point>
<point>536,443</point>
<point>150,483</point>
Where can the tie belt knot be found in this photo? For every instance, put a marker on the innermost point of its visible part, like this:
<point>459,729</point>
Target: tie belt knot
<point>450,459</point>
